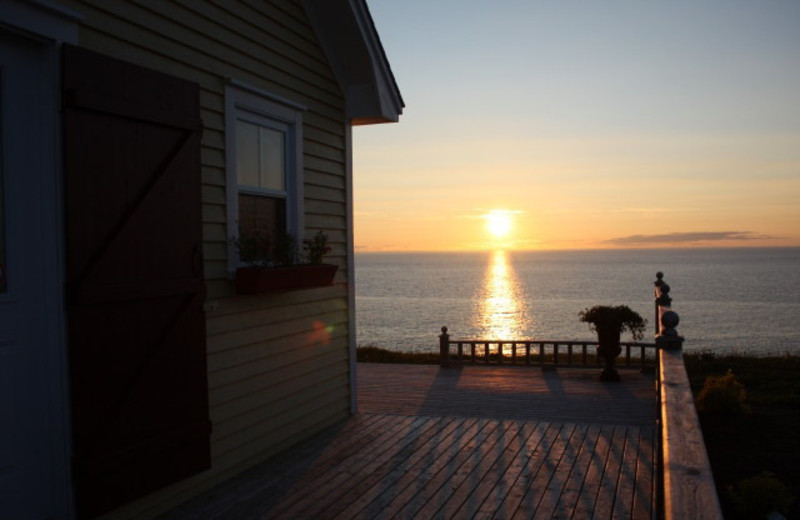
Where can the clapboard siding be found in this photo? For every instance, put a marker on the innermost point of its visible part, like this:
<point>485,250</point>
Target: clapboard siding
<point>220,364</point>
<point>204,54</point>
<point>323,151</point>
<point>292,367</point>
<point>258,334</point>
<point>263,364</point>
<point>273,378</point>
<point>300,423</point>
<point>244,399</point>
<point>250,24</point>
<point>325,222</point>
<point>212,176</point>
<point>252,303</point>
<point>325,179</point>
<point>215,251</point>
<point>322,165</point>
<point>234,36</point>
<point>282,411</point>
<point>255,317</point>
<point>323,136</point>
<point>278,327</point>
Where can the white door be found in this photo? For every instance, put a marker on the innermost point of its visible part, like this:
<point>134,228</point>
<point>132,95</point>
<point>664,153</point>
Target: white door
<point>33,449</point>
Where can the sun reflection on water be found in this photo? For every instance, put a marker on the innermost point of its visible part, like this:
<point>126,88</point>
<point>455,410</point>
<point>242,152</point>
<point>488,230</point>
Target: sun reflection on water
<point>503,315</point>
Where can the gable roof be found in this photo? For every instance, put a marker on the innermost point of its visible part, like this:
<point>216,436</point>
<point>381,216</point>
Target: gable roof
<point>348,36</point>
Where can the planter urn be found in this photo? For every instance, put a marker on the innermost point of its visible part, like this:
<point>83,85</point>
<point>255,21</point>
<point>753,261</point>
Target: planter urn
<point>608,339</point>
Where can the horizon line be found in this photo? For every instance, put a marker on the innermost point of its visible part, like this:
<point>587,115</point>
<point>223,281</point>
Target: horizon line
<point>575,249</point>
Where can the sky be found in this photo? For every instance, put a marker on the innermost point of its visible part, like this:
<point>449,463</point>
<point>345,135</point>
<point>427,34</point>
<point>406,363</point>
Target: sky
<point>565,124</point>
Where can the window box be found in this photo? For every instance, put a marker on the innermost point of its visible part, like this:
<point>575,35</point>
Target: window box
<point>255,280</point>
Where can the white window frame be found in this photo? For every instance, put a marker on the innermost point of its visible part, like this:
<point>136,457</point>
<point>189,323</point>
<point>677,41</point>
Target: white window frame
<point>254,105</point>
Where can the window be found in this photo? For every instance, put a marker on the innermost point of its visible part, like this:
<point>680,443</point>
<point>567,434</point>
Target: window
<point>265,183</point>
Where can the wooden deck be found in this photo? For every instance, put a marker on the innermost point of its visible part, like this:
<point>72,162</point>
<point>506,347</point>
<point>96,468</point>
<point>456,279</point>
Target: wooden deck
<point>563,394</point>
<point>477,442</point>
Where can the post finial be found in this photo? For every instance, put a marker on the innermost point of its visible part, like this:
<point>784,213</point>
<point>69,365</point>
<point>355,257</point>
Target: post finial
<point>669,321</point>
<point>444,348</point>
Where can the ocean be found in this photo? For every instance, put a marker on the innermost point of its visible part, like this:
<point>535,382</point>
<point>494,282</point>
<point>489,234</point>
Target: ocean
<point>728,300</point>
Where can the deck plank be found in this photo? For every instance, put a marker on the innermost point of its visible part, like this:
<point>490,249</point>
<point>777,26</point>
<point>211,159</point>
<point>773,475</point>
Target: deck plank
<point>537,472</point>
<point>470,496</point>
<point>496,503</point>
<point>588,494</point>
<point>471,443</point>
<point>643,497</point>
<point>440,454</point>
<point>569,476</point>
<point>572,489</point>
<point>357,503</point>
<point>623,501</point>
<point>311,495</point>
<point>606,494</point>
<point>434,485</point>
<point>461,486</point>
<point>561,457</point>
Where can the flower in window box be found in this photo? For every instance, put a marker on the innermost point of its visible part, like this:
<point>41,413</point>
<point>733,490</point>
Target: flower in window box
<point>275,267</point>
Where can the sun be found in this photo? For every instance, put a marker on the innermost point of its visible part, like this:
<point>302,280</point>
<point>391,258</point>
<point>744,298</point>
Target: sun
<point>499,223</point>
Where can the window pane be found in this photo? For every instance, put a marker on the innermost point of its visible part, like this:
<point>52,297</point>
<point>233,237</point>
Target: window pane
<point>272,159</point>
<point>247,163</point>
<point>262,224</point>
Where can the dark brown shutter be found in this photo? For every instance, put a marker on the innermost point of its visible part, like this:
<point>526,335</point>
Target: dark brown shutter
<point>135,281</point>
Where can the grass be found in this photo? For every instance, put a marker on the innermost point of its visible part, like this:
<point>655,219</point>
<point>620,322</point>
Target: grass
<point>742,446</point>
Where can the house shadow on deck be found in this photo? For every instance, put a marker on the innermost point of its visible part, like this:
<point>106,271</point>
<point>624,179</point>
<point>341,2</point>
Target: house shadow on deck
<point>475,442</point>
<point>527,393</point>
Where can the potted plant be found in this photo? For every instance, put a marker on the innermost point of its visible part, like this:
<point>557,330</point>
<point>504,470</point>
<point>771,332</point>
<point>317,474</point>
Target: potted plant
<point>280,267</point>
<point>609,323</point>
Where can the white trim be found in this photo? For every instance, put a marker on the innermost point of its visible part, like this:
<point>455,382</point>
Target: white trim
<point>351,271</point>
<point>255,190</point>
<point>241,85</point>
<point>43,18</point>
<point>242,98</point>
<point>55,24</point>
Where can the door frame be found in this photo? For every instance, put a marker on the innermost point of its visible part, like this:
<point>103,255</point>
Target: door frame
<point>49,25</point>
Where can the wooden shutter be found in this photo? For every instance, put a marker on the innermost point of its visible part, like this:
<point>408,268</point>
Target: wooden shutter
<point>135,281</point>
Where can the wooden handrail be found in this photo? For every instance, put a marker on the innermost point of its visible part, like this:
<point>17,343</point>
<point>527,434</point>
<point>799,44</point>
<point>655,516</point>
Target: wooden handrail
<point>687,489</point>
<point>688,483</point>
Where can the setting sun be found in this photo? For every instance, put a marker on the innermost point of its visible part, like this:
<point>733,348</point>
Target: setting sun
<point>498,222</point>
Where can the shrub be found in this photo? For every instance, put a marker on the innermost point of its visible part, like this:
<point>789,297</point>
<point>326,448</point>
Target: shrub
<point>723,395</point>
<point>757,496</point>
<point>621,318</point>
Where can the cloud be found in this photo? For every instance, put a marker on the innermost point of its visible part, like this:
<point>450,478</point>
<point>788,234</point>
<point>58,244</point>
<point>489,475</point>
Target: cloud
<point>685,238</point>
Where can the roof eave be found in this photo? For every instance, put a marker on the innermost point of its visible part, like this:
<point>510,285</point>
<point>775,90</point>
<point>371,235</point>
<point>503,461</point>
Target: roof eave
<point>347,33</point>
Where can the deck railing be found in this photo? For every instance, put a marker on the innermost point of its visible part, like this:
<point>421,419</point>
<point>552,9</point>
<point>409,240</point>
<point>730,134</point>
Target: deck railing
<point>537,352</point>
<point>687,484</point>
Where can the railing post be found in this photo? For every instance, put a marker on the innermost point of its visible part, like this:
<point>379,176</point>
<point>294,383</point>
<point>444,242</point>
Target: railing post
<point>659,283</point>
<point>666,319</point>
<point>444,348</point>
<point>668,338</point>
